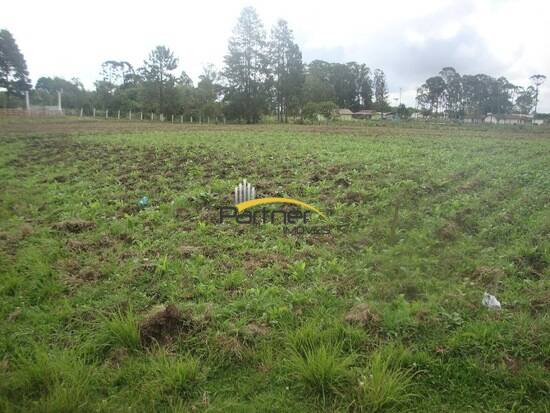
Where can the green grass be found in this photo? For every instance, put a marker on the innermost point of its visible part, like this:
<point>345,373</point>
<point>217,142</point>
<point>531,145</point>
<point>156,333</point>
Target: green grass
<point>383,388</point>
<point>423,220</point>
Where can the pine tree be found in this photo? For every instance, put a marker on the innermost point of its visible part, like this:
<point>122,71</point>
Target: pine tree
<point>14,76</point>
<point>287,69</point>
<point>246,69</point>
<point>157,71</point>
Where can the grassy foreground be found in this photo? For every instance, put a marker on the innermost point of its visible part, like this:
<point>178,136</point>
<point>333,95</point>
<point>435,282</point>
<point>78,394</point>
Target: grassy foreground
<point>106,306</point>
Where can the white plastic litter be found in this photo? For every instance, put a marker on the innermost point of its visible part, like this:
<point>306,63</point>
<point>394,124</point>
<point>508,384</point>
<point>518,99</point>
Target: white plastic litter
<point>490,301</point>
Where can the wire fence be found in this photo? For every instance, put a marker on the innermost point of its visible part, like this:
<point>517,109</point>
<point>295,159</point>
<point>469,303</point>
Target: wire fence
<point>141,116</point>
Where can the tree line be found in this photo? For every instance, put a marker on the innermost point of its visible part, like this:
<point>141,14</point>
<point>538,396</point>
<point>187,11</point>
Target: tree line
<point>261,75</point>
<point>458,95</point>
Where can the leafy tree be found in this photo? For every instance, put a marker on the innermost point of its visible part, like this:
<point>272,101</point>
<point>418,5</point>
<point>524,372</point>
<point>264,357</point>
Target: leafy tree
<point>327,109</point>
<point>207,94</point>
<point>349,85</point>
<point>526,99</point>
<point>246,69</point>
<point>362,85</point>
<point>184,79</point>
<point>453,91</point>
<point>537,80</point>
<point>158,77</point>
<point>73,92</point>
<point>380,90</point>
<point>403,112</point>
<point>14,76</point>
<point>287,69</point>
<point>312,110</point>
<point>343,80</point>
<point>318,86</point>
<point>116,72</point>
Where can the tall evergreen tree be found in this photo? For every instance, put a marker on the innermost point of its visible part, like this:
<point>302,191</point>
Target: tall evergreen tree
<point>287,69</point>
<point>246,69</point>
<point>157,72</point>
<point>14,76</point>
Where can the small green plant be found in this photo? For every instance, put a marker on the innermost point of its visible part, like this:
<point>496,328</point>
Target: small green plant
<point>299,270</point>
<point>119,331</point>
<point>162,265</point>
<point>234,281</point>
<point>381,387</point>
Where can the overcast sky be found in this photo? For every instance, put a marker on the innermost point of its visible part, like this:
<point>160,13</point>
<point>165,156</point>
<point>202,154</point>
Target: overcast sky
<point>409,40</point>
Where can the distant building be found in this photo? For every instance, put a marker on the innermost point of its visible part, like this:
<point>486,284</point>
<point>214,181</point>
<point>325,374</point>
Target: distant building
<point>418,115</point>
<point>364,114</point>
<point>474,118</point>
<point>342,114</point>
<point>373,114</point>
<point>509,119</point>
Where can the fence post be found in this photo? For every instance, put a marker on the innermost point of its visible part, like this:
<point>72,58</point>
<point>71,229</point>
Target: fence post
<point>106,113</point>
<point>130,115</point>
<point>152,116</point>
<point>118,116</point>
<point>94,113</point>
<point>181,119</point>
<point>191,119</point>
<point>172,118</point>
<point>81,112</point>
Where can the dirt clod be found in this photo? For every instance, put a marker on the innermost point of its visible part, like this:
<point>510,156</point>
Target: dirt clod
<point>354,197</point>
<point>14,314</point>
<point>77,245</point>
<point>163,325</point>
<point>187,251</point>
<point>449,231</point>
<point>74,225</point>
<point>361,314</point>
<point>26,230</point>
<point>254,329</point>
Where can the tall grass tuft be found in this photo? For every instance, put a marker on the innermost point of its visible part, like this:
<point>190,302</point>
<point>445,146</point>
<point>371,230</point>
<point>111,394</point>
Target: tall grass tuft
<point>383,387</point>
<point>56,381</point>
<point>119,331</point>
<point>180,376</point>
<point>319,367</point>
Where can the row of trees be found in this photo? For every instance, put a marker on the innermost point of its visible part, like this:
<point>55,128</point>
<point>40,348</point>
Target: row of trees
<point>475,95</point>
<point>261,75</point>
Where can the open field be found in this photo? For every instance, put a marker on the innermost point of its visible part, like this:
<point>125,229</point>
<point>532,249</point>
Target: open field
<point>108,306</point>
